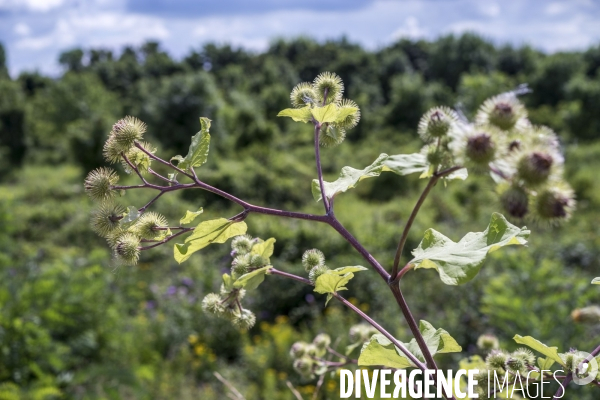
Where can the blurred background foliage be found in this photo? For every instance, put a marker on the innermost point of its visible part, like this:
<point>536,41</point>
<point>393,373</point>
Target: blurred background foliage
<point>75,326</point>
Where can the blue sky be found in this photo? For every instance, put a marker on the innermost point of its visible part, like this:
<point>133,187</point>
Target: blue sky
<point>34,32</point>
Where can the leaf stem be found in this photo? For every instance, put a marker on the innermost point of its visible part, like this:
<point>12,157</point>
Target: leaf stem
<point>319,170</point>
<point>436,176</point>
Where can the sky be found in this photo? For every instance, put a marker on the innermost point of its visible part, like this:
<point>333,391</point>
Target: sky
<point>34,32</point>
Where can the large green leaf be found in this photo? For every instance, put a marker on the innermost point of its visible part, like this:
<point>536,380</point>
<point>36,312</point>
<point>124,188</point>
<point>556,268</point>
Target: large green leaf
<point>328,113</point>
<point>458,263</point>
<point>401,164</point>
<point>207,232</point>
<point>251,280</point>
<point>198,152</point>
<point>381,351</point>
<point>190,216</point>
<point>549,352</point>
<point>297,114</point>
<point>335,280</point>
<point>264,249</point>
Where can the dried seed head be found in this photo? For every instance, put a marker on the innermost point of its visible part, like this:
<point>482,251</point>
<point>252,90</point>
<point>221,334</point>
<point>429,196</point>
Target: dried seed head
<point>212,303</point>
<point>515,201</point>
<point>98,184</point>
<point>244,320</point>
<point>332,135</point>
<point>554,204</point>
<point>312,258</point>
<point>480,149</point>
<point>503,111</point>
<point>106,218</point>
<point>328,86</point>
<point>242,244</point>
<point>436,123</point>
<point>127,248</point>
<point>146,225</point>
<point>303,95</point>
<point>534,168</point>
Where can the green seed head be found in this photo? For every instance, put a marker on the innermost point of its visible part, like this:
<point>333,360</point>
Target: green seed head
<point>99,182</point>
<point>147,225</point>
<point>524,355</point>
<point>303,95</point>
<point>332,135</point>
<point>497,359</point>
<point>351,120</point>
<point>304,366</point>
<point>242,244</point>
<point>436,123</point>
<point>328,86</point>
<point>317,272</point>
<point>212,304</point>
<point>138,158</point>
<point>127,248</point>
<point>488,342</point>
<point>126,131</point>
<point>322,341</point>
<point>244,320</point>
<point>298,349</point>
<point>312,258</point>
<point>106,218</point>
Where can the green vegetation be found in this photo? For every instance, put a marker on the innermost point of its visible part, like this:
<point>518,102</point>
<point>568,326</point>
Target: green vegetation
<point>74,325</point>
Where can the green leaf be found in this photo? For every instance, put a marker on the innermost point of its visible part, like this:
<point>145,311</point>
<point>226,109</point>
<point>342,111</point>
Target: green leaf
<point>596,281</point>
<point>345,270</point>
<point>264,249</point>
<point>381,351</point>
<point>549,352</point>
<point>545,363</point>
<point>458,263</point>
<point>198,152</point>
<point>331,282</point>
<point>190,216</point>
<point>335,280</point>
<point>401,164</point>
<point>207,232</point>
<point>251,280</point>
<point>297,114</point>
<point>227,282</point>
<point>344,112</point>
<point>329,113</point>
<point>131,215</point>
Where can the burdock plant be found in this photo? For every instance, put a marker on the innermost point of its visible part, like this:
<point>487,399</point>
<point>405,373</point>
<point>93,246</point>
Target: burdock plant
<point>523,161</point>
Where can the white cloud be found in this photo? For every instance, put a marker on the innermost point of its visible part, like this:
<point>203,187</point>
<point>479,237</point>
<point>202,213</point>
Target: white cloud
<point>31,5</point>
<point>411,29</point>
<point>489,9</point>
<point>99,29</point>
<point>22,29</point>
